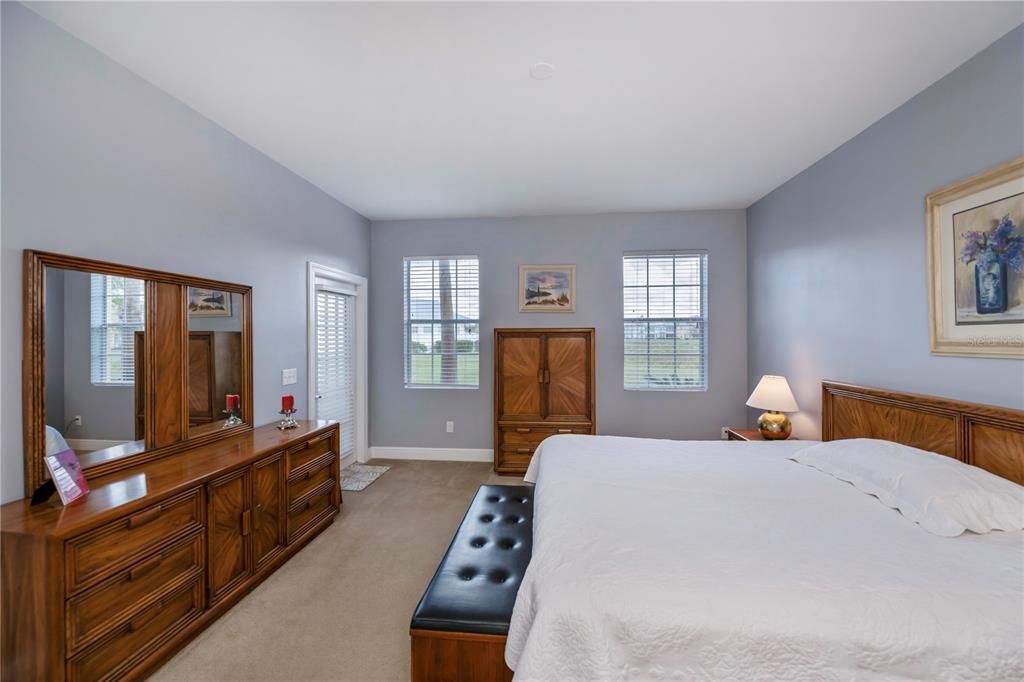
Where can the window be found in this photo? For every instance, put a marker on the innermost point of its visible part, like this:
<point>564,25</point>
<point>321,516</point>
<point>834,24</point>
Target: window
<point>665,316</point>
<point>442,322</point>
<point>116,312</point>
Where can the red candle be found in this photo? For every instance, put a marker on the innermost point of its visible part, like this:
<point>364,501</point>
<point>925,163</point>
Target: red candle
<point>287,403</point>
<point>231,402</point>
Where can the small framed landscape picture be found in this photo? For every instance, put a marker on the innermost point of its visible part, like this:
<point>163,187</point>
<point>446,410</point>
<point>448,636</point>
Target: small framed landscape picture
<point>208,303</point>
<point>547,288</point>
<point>976,264</point>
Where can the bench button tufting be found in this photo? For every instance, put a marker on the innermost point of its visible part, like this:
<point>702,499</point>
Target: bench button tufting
<point>478,542</point>
<point>514,519</point>
<point>499,576</point>
<point>507,543</point>
<point>467,573</point>
<point>487,518</point>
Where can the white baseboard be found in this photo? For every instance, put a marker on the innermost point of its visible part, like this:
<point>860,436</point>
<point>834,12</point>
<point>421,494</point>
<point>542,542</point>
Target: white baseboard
<point>436,454</point>
<point>91,444</point>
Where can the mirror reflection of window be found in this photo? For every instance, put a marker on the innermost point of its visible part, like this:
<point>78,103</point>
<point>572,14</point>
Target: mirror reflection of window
<point>91,323</point>
<point>214,360</point>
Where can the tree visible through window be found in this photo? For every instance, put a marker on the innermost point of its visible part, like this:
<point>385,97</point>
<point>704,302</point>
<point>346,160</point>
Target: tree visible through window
<point>442,322</point>
<point>665,308</point>
<point>116,312</point>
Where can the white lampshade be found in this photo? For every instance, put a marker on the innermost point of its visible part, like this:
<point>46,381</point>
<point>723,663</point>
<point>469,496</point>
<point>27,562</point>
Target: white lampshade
<point>772,393</point>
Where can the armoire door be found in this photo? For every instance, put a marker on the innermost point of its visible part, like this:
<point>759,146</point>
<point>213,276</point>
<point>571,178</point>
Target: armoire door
<point>267,509</point>
<point>229,527</point>
<point>520,393</point>
<point>568,376</point>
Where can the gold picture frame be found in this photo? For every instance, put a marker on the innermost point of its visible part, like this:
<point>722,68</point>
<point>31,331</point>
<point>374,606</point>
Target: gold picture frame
<point>976,307</point>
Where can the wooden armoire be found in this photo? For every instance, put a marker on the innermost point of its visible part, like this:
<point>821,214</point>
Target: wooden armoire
<point>543,385</point>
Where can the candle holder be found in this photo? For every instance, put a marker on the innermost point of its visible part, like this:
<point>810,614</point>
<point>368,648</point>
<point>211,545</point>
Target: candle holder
<point>232,420</point>
<point>289,421</point>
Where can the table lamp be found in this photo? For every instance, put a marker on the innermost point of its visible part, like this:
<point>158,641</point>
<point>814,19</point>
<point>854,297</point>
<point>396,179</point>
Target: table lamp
<point>772,393</point>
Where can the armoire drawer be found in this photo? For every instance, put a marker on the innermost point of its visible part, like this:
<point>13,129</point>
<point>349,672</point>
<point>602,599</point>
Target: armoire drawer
<point>109,548</point>
<point>126,594</point>
<point>532,435</point>
<point>138,636</point>
<point>303,454</point>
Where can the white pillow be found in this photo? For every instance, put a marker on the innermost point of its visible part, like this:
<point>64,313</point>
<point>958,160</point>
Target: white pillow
<point>942,494</point>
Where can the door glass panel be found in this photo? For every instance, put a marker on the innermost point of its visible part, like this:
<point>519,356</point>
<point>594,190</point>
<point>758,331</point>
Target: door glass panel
<point>335,363</point>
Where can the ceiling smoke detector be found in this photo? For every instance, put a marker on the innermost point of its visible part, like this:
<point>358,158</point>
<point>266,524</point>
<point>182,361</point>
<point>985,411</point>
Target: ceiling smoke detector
<point>542,71</point>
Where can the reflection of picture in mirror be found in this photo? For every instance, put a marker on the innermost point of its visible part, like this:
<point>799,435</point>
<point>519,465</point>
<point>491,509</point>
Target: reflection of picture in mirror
<point>208,303</point>
<point>215,363</point>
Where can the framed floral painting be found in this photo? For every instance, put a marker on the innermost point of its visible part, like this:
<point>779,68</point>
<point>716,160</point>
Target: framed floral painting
<point>976,264</point>
<point>547,288</point>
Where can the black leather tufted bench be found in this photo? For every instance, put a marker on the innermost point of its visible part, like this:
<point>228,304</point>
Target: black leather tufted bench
<point>459,627</point>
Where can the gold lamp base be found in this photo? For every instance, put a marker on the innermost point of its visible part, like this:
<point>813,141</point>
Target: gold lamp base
<point>774,426</point>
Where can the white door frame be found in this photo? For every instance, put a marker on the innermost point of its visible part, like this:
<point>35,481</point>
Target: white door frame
<point>313,271</point>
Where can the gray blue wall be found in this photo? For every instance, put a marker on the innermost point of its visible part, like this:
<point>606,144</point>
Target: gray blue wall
<point>836,256</point>
<point>401,417</point>
<point>97,162</point>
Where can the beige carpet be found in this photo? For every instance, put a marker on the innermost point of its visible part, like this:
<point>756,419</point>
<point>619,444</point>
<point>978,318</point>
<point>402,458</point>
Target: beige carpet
<point>340,608</point>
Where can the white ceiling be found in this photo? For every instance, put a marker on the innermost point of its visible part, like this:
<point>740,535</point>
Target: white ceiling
<point>428,109</point>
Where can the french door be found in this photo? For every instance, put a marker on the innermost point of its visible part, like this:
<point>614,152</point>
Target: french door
<point>337,372</point>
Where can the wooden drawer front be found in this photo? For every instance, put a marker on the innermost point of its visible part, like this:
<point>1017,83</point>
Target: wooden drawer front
<point>533,435</point>
<point>300,455</point>
<point>310,509</point>
<point>311,478</point>
<point>127,593</point>
<point>139,636</point>
<point>516,461</point>
<point>114,546</point>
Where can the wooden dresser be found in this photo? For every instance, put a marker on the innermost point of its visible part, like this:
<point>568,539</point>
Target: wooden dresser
<point>111,586</point>
<point>543,385</point>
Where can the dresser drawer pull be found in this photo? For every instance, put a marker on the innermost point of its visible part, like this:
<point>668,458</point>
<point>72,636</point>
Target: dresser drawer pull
<point>257,510</point>
<point>246,522</point>
<point>145,567</point>
<point>523,429</point>
<point>142,518</point>
<point>565,430</point>
<point>139,621</point>
<point>523,451</point>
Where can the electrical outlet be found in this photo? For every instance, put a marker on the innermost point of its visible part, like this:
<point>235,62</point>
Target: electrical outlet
<point>449,427</point>
<point>77,420</point>
<point>725,433</point>
<point>289,376</point>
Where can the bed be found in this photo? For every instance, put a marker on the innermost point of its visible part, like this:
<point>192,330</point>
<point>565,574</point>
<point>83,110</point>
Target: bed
<point>679,560</point>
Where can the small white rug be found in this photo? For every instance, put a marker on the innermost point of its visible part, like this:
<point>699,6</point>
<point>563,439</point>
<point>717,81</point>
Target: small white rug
<point>356,477</point>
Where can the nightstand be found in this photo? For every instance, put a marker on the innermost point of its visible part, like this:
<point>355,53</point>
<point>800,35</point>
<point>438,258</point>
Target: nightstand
<point>747,435</point>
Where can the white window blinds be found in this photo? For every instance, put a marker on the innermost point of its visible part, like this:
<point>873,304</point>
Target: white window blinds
<point>442,322</point>
<point>117,309</point>
<point>665,315</point>
<point>336,361</point>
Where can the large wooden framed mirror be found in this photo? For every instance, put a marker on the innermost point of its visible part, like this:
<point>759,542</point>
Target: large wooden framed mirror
<point>126,365</point>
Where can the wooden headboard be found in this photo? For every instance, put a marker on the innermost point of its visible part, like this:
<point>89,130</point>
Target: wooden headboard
<point>991,438</point>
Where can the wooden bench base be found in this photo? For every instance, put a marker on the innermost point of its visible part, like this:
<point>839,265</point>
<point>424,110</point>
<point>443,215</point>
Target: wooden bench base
<point>439,656</point>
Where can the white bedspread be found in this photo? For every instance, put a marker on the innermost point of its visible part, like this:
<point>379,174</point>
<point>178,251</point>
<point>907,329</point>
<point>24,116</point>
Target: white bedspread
<point>657,559</point>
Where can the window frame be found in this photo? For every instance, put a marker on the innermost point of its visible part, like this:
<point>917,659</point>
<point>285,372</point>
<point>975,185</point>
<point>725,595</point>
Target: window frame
<point>703,319</point>
<point>103,330</point>
<point>408,322</point>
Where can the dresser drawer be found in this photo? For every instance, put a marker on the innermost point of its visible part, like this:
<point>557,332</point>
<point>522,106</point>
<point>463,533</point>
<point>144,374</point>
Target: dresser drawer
<point>310,509</point>
<point>313,477</point>
<point>121,597</point>
<point>139,636</point>
<point>106,550</point>
<point>301,455</point>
